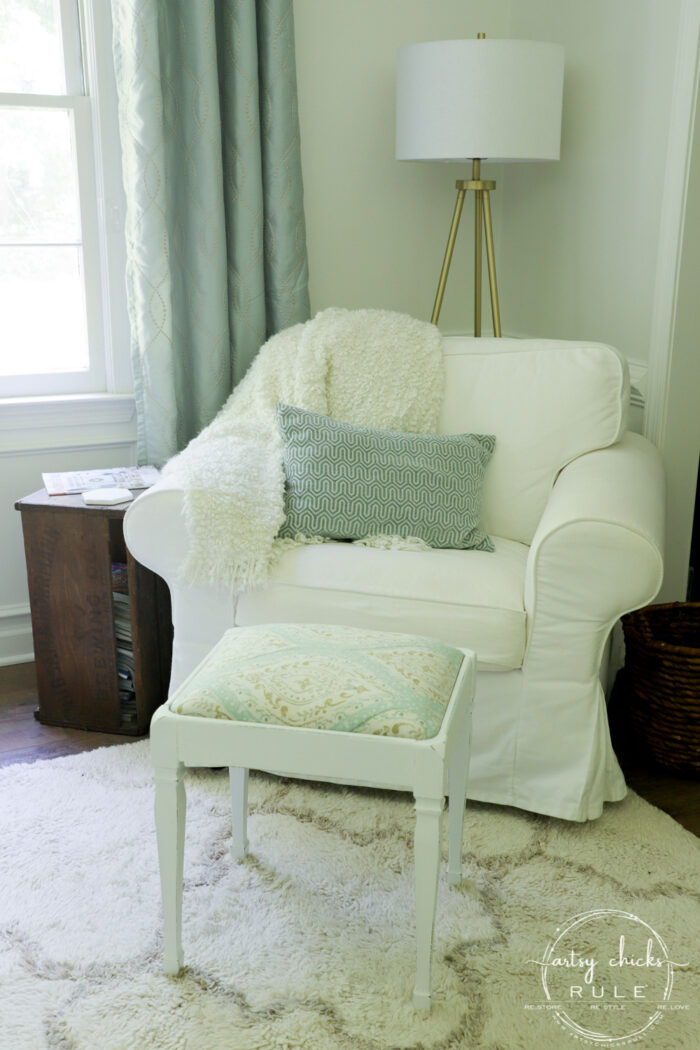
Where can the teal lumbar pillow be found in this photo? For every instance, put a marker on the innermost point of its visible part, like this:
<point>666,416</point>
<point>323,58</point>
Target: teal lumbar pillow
<point>347,482</point>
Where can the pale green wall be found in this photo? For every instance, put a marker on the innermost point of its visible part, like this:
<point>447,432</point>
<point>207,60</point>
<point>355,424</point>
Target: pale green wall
<point>580,237</point>
<point>576,241</point>
<point>376,228</point>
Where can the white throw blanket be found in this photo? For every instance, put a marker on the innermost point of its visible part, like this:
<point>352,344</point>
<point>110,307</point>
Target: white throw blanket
<point>370,367</point>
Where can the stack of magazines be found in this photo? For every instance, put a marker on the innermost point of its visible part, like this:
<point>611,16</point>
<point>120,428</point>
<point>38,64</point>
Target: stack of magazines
<point>70,482</point>
<point>125,652</point>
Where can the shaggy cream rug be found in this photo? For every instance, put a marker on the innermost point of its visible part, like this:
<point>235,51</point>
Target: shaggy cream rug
<point>309,943</point>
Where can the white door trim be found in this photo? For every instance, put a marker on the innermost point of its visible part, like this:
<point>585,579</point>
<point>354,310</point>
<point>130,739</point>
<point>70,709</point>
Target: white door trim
<point>671,416</point>
<point>673,207</point>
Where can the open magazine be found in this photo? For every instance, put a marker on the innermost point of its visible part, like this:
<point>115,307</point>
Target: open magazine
<point>73,481</point>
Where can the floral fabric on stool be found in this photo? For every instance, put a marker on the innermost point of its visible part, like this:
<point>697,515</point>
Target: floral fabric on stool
<point>325,677</point>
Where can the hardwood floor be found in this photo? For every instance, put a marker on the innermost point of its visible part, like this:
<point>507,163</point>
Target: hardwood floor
<point>677,796</point>
<point>675,793</point>
<point>23,739</point>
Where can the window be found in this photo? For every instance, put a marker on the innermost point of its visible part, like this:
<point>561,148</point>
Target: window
<point>58,298</point>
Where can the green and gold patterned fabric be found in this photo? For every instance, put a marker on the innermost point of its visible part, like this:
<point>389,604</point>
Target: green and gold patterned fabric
<point>347,482</point>
<point>317,676</point>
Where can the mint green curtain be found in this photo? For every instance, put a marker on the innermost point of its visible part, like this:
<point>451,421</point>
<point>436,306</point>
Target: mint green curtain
<point>215,235</point>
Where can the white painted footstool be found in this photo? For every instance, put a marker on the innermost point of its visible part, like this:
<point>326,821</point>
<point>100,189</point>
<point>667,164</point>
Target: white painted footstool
<point>324,703</point>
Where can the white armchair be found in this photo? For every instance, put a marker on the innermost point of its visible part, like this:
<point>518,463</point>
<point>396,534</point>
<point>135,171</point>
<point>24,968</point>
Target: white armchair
<point>575,505</point>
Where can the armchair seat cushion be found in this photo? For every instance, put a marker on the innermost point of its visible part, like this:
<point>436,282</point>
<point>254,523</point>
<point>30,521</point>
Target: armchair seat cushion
<point>467,599</point>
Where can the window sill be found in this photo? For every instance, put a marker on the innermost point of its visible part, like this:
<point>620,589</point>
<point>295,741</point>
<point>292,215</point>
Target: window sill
<point>58,410</point>
<point>68,422</point>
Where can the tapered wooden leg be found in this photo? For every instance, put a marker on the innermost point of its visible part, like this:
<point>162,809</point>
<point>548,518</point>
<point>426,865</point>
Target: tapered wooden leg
<point>457,780</point>
<point>170,832</point>
<point>238,782</point>
<point>427,865</point>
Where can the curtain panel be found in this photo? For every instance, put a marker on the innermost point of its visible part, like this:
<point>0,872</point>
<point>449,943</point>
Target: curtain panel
<point>215,233</point>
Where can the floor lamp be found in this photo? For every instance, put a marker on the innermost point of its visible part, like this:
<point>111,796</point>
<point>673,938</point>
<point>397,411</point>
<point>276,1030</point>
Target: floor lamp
<point>474,100</point>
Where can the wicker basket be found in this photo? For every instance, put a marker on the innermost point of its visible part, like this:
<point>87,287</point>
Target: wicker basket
<point>662,682</point>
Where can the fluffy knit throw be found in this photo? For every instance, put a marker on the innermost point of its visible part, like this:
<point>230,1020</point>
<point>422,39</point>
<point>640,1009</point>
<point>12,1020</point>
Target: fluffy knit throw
<point>370,367</point>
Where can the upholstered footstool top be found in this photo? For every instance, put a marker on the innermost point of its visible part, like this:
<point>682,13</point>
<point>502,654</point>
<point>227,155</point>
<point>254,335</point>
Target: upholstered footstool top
<point>325,677</point>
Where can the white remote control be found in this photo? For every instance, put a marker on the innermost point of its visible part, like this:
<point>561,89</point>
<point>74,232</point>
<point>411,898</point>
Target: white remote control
<point>106,497</point>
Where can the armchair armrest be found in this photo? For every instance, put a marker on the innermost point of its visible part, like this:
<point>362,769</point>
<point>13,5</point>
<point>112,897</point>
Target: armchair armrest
<point>156,534</point>
<point>596,554</point>
<point>155,530</point>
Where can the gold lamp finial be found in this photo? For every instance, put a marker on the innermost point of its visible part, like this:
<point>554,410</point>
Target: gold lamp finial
<point>481,36</point>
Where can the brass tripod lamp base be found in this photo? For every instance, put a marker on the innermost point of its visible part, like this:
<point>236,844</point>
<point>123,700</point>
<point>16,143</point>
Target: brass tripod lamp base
<point>482,207</point>
<point>462,100</point>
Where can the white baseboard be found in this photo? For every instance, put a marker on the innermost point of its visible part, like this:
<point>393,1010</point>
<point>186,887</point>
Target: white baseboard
<point>16,645</point>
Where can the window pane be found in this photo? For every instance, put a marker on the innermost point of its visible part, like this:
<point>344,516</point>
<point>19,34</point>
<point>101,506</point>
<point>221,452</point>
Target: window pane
<point>38,178</point>
<point>42,311</point>
<point>30,47</point>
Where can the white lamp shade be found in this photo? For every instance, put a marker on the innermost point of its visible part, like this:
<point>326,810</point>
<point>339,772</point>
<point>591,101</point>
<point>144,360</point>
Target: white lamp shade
<point>457,100</point>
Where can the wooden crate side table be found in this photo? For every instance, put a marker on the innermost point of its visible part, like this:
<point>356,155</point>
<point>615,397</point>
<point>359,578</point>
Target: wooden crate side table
<point>69,549</point>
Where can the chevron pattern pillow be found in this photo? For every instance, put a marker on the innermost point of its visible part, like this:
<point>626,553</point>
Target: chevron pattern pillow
<point>347,482</point>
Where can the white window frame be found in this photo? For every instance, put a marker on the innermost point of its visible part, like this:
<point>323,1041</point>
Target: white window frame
<point>91,99</point>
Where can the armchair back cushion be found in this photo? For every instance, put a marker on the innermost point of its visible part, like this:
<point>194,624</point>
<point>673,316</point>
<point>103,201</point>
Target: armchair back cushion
<point>546,401</point>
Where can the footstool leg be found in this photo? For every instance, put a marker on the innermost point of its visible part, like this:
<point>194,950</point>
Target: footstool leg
<point>457,786</point>
<point>427,865</point>
<point>170,808</point>
<point>238,782</point>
